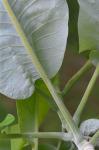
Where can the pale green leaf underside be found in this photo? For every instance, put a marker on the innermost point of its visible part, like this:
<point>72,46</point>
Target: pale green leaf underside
<point>45,24</point>
<point>89,127</point>
<point>89,25</point>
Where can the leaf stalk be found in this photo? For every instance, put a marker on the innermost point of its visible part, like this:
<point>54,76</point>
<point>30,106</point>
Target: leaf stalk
<point>94,138</point>
<point>42,135</point>
<point>76,78</point>
<point>86,96</point>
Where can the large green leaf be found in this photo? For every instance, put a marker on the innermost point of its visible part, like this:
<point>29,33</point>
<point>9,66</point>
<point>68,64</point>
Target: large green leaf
<point>26,109</point>
<point>45,26</point>
<point>89,25</point>
<point>32,112</point>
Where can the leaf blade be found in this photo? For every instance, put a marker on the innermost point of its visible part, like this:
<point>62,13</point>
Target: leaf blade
<point>89,127</point>
<point>47,33</point>
<point>88,25</point>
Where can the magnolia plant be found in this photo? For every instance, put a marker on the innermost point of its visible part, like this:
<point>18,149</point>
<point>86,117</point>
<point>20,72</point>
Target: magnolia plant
<point>33,39</point>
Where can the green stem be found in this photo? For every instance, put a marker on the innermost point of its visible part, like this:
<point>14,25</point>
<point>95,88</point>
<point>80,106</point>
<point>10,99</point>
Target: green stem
<point>65,113</point>
<point>60,141</point>
<point>86,96</point>
<point>50,101</point>
<point>59,145</point>
<point>36,126</point>
<point>94,138</point>
<point>42,135</point>
<point>53,107</point>
<point>48,98</point>
<point>76,77</point>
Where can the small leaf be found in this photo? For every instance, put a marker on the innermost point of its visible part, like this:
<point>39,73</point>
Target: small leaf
<point>7,121</point>
<point>89,127</point>
<point>94,57</point>
<point>88,25</point>
<point>44,24</point>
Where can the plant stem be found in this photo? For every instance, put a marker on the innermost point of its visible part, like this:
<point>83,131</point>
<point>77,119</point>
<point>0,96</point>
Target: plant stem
<point>52,103</point>
<point>60,141</point>
<point>42,135</point>
<point>65,113</point>
<point>53,107</point>
<point>94,138</point>
<point>48,98</point>
<point>62,109</point>
<point>86,96</point>
<point>59,145</point>
<point>76,77</point>
<point>35,141</point>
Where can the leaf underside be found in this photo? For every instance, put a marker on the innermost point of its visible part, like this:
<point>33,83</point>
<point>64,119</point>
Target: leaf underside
<point>89,127</point>
<point>88,25</point>
<point>45,24</point>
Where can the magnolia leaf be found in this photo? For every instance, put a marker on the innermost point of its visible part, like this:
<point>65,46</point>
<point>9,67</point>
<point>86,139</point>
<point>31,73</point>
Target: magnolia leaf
<point>88,25</point>
<point>7,121</point>
<point>94,57</point>
<point>89,127</point>
<point>45,26</point>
